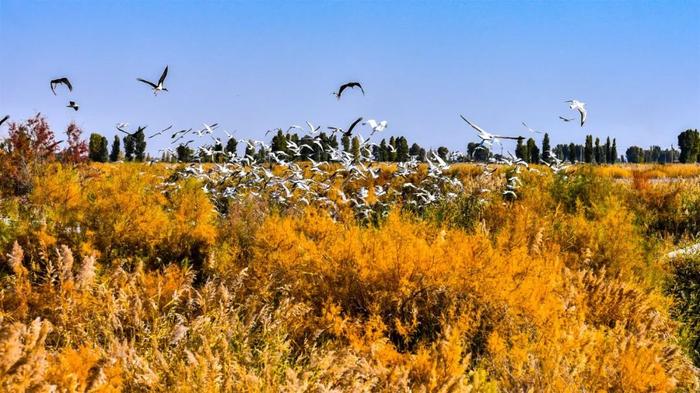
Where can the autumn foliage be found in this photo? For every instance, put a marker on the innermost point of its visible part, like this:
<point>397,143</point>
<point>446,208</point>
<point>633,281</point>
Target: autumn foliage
<point>112,281</point>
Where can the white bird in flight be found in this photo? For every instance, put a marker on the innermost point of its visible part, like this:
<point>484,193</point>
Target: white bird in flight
<point>159,86</point>
<point>486,137</point>
<point>580,107</point>
<point>376,127</point>
<point>531,130</point>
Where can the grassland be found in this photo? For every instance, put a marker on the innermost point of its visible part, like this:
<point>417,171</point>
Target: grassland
<point>111,282</point>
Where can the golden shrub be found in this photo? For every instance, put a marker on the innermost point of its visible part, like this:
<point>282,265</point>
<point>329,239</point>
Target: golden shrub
<point>111,281</point>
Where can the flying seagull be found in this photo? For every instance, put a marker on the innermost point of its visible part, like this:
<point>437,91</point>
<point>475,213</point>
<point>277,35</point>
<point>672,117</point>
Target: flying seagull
<point>580,107</point>
<point>140,129</point>
<point>59,81</point>
<point>157,87</point>
<point>312,129</point>
<point>72,104</point>
<point>183,132</point>
<point>160,132</point>
<point>567,120</point>
<point>486,137</point>
<point>4,119</point>
<point>354,123</point>
<point>377,127</point>
<point>350,85</point>
<point>531,130</point>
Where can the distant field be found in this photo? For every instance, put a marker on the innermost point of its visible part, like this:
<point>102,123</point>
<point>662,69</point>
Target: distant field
<point>143,278</point>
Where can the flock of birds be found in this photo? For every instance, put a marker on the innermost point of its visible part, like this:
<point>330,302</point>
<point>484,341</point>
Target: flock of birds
<point>343,179</point>
<point>292,178</point>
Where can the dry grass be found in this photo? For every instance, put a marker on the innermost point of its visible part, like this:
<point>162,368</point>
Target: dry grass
<point>109,284</point>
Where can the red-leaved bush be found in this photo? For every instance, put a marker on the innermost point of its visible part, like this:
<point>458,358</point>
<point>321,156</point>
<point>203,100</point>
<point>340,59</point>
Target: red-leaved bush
<point>29,146</point>
<point>77,150</point>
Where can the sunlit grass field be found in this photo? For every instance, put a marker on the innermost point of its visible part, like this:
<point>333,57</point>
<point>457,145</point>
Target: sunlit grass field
<point>111,282</point>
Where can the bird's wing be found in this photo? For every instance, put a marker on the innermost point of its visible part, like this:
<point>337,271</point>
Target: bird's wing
<point>340,91</point>
<point>372,123</point>
<point>528,128</point>
<point>162,77</point>
<point>583,115</point>
<point>67,83</point>
<point>153,85</point>
<point>360,86</point>
<point>474,126</point>
<point>53,87</point>
<point>353,125</point>
<point>4,119</point>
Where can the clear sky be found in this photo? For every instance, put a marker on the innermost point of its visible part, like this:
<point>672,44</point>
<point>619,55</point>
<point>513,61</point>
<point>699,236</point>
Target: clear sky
<point>252,66</point>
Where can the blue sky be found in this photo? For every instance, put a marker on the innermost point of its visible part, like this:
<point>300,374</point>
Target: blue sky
<point>252,66</point>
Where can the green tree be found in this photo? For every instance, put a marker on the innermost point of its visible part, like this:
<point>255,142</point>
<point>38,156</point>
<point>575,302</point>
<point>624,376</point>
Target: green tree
<point>356,154</point>
<point>443,152</point>
<point>521,150</point>
<point>546,149</point>
<point>345,141</point>
<point>635,155</point>
<point>588,150</point>
<point>533,151</point>
<point>98,148</point>
<point>116,150</point>
<point>402,149</point>
<point>414,151</point>
<point>231,146</point>
<point>249,150</point>
<point>391,154</point>
<point>572,153</point>
<point>382,151</point>
<point>689,143</point>
<point>598,152</point>
<point>129,146</point>
<point>608,151</point>
<point>613,152</point>
<point>478,152</point>
<point>184,153</point>
<point>139,145</point>
<point>279,142</point>
<point>219,152</point>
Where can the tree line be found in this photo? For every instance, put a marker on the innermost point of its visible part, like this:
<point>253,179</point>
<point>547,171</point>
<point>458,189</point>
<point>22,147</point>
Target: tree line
<point>395,149</point>
<point>398,149</point>
<point>593,151</point>
<point>134,148</point>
